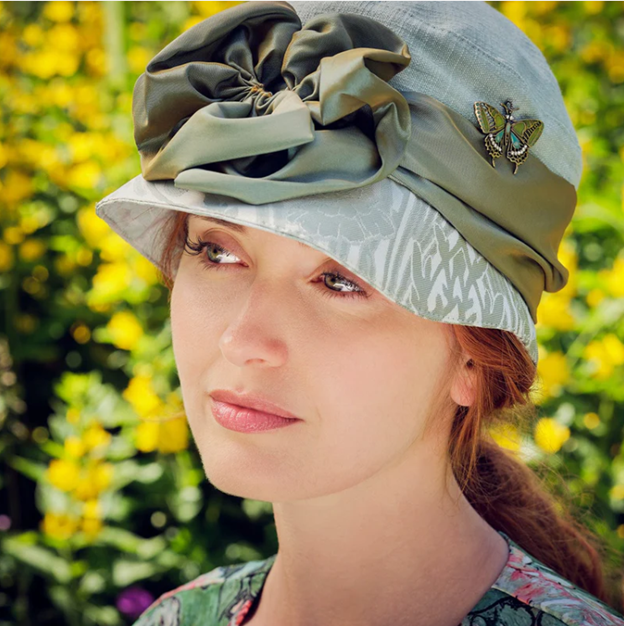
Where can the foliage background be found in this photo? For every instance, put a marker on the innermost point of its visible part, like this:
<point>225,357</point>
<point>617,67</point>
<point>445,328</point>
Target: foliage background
<point>103,500</point>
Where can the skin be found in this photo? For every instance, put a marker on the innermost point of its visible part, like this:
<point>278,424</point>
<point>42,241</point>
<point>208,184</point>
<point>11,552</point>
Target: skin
<point>372,526</point>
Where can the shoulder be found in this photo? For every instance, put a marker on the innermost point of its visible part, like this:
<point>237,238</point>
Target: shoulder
<point>212,598</point>
<point>529,592</point>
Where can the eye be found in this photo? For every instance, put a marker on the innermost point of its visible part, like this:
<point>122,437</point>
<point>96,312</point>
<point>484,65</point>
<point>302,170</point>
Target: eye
<point>351,290</point>
<point>212,248</point>
<point>346,288</point>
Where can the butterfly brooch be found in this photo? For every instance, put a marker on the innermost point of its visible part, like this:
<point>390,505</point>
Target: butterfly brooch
<point>505,135</point>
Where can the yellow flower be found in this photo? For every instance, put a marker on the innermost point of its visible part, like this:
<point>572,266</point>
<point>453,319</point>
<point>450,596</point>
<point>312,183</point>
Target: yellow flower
<point>63,474</point>
<point>595,297</point>
<point>614,278</point>
<point>591,420</point>
<point>206,9</point>
<point>125,330</point>
<point>97,61</point>
<point>189,23</point>
<point>74,446</point>
<point>93,480</point>
<point>81,333</point>
<point>92,509</point>
<point>615,66</point>
<point>167,435</point>
<point>102,475</point>
<point>145,270</point>
<point>542,8</point>
<point>17,186</point>
<point>146,436</point>
<point>95,436</point>
<point>110,281</point>
<point>30,223</point>
<point>507,436</point>
<point>32,249</point>
<point>6,257</point>
<point>553,372</point>
<point>84,256</point>
<point>114,248</point>
<point>515,11</point>
<point>59,525</point>
<point>550,435</point>
<point>554,312</point>
<point>138,58</point>
<point>59,11</point>
<point>605,354</point>
<point>60,93</point>
<point>91,527</point>
<point>13,234</point>
<point>64,37</point>
<point>613,348</point>
<point>32,34</point>
<point>174,435</point>
<point>64,265</point>
<point>84,175</point>
<point>83,146</point>
<point>142,396</point>
<point>593,6</point>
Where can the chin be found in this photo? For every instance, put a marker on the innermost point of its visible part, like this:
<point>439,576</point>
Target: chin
<point>249,472</point>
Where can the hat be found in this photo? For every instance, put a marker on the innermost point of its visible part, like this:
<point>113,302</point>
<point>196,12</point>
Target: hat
<point>425,146</point>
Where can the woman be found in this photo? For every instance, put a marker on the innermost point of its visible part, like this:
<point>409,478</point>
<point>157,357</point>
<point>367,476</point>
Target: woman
<point>354,271</point>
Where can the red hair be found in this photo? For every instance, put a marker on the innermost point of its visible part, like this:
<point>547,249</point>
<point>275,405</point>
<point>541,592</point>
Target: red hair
<point>505,492</point>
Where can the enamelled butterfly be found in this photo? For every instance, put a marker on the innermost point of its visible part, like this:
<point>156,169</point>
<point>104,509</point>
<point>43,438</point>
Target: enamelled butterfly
<point>504,135</point>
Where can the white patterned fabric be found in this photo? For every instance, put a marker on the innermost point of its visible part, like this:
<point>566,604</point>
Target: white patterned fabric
<point>384,233</point>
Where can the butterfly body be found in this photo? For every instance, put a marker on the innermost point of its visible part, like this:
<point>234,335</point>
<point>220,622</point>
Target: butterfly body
<point>506,136</point>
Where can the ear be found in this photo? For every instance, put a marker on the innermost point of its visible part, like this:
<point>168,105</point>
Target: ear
<point>463,389</point>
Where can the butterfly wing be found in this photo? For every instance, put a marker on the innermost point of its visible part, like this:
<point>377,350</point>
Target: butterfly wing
<point>492,123</point>
<point>523,135</point>
<point>527,131</point>
<point>490,120</point>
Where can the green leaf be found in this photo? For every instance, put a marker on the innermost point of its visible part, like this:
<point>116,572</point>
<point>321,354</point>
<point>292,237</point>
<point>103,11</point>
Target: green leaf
<point>39,558</point>
<point>27,467</point>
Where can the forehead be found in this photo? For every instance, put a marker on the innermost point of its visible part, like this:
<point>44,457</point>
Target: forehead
<point>239,228</point>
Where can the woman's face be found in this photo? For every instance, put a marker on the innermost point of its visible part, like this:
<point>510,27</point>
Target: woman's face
<point>360,371</point>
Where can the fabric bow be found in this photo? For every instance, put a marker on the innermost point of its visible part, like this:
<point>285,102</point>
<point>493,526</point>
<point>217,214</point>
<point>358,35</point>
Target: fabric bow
<point>288,111</point>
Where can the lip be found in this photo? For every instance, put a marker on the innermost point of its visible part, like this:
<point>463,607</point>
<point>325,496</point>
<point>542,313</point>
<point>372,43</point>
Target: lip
<point>245,418</point>
<point>250,401</point>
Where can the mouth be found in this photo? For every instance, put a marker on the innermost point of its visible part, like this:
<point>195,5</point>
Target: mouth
<point>253,402</point>
<point>246,420</point>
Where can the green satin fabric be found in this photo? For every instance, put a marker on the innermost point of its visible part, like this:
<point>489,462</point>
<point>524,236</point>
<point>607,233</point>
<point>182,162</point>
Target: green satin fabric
<point>515,221</point>
<point>280,111</point>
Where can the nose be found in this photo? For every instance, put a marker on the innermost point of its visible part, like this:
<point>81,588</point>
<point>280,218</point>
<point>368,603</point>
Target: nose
<point>255,335</point>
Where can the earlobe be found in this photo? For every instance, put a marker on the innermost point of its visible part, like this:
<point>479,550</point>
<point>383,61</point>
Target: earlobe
<point>463,390</point>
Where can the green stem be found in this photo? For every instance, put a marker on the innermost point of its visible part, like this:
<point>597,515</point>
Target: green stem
<point>114,42</point>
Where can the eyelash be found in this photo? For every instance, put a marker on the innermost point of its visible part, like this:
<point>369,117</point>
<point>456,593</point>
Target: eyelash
<point>196,247</point>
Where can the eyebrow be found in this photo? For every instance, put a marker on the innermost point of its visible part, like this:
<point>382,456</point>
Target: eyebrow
<point>239,228</point>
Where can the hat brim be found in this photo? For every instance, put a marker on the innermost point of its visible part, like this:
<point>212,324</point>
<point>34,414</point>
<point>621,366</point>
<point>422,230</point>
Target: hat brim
<point>391,238</point>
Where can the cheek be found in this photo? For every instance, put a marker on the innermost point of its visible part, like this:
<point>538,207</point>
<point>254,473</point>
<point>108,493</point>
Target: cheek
<point>372,397</point>
<point>194,333</point>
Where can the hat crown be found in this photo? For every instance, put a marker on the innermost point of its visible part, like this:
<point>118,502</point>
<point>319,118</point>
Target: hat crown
<point>463,52</point>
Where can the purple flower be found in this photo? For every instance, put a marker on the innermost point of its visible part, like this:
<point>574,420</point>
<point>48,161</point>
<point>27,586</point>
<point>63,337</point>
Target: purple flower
<point>133,601</point>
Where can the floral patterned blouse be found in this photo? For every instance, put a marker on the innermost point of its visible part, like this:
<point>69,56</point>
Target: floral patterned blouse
<point>526,593</point>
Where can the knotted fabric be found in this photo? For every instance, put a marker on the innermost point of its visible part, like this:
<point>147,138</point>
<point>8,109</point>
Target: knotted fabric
<point>252,105</point>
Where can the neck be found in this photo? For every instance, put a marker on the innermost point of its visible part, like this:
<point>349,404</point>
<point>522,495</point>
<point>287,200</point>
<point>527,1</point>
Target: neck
<point>380,553</point>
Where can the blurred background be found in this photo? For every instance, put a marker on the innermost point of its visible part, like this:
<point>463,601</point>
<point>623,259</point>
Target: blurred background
<point>103,501</point>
